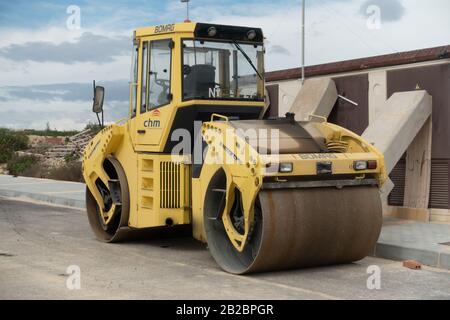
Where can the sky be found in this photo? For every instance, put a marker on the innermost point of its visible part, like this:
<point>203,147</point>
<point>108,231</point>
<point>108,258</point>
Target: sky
<point>50,51</point>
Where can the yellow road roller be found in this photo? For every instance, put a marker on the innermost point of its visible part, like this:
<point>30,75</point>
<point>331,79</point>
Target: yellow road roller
<point>197,151</point>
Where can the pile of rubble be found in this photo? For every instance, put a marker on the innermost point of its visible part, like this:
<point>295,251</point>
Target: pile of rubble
<point>73,148</point>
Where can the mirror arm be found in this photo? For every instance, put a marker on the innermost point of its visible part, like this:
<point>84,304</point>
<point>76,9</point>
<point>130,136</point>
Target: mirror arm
<point>98,119</point>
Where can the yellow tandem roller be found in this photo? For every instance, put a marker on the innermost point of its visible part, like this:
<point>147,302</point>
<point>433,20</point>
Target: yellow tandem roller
<point>265,194</point>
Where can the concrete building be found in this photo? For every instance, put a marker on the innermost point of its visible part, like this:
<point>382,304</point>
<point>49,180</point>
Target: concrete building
<point>419,193</point>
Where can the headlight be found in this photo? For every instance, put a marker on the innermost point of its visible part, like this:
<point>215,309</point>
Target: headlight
<point>365,165</point>
<point>360,165</point>
<point>251,35</point>
<point>286,167</point>
<point>212,31</point>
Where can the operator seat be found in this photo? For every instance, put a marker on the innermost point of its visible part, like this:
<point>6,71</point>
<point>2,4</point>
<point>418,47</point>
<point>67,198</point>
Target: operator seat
<point>198,82</point>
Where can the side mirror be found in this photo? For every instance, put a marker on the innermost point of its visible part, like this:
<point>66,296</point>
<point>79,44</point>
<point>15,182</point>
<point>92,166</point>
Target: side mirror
<point>99,97</point>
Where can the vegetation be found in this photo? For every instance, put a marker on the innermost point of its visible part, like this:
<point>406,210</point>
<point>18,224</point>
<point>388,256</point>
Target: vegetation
<point>28,166</point>
<point>31,166</point>
<point>49,133</point>
<point>18,164</point>
<point>71,157</point>
<point>36,170</point>
<point>11,141</point>
<point>93,127</point>
<point>69,172</point>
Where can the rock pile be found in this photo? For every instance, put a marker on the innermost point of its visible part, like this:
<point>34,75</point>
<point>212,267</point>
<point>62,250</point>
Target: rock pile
<point>73,148</point>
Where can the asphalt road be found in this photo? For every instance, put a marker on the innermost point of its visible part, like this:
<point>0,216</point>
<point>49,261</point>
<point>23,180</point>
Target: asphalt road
<point>39,242</point>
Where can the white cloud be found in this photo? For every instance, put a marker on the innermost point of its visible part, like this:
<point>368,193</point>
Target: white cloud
<point>336,30</point>
<point>392,10</point>
<point>32,73</point>
<point>88,47</point>
<point>55,35</point>
<point>61,115</point>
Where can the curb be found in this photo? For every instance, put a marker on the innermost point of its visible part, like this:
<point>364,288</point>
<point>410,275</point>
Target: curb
<point>79,204</point>
<point>437,259</point>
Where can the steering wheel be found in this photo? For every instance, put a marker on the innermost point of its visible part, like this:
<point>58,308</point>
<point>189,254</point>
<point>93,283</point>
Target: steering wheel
<point>163,83</point>
<point>186,69</point>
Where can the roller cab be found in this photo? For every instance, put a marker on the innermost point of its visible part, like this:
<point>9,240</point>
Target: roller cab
<point>194,152</point>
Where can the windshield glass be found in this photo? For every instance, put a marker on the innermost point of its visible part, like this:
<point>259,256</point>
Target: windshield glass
<point>222,70</point>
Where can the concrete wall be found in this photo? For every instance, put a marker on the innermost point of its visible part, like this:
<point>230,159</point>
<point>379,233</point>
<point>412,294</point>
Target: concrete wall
<point>377,92</point>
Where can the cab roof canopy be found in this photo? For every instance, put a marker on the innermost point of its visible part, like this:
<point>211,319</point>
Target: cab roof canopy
<point>203,30</point>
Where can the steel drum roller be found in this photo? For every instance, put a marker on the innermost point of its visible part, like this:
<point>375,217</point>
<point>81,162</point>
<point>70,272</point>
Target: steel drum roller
<point>302,228</point>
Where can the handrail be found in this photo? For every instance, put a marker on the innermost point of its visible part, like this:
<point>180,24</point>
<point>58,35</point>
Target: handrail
<point>215,115</point>
<point>121,121</point>
<point>314,116</point>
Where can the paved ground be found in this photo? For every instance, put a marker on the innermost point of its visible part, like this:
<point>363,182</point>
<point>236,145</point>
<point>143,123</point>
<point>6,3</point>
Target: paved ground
<point>38,243</point>
<point>399,240</point>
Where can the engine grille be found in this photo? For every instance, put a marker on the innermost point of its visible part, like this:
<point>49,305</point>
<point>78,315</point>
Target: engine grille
<point>170,185</point>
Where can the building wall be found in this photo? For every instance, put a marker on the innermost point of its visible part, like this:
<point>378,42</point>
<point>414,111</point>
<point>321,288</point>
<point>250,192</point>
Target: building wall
<point>435,79</point>
<point>346,114</point>
<point>288,89</point>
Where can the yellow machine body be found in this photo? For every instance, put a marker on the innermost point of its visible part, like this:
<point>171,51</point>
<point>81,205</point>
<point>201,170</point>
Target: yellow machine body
<point>248,171</point>
<point>135,182</point>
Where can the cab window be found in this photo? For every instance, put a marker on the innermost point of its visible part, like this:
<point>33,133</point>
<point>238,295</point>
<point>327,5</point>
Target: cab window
<point>222,70</point>
<point>134,81</point>
<point>156,73</point>
<point>159,73</point>
<point>145,77</point>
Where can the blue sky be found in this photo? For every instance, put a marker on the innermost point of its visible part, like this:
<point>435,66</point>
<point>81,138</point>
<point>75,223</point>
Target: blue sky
<point>32,14</point>
<point>46,69</point>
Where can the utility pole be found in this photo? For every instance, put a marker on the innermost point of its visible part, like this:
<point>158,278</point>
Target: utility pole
<point>187,10</point>
<point>303,41</point>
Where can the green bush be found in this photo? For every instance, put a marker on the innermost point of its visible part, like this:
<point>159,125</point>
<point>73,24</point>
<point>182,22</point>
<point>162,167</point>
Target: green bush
<point>18,164</point>
<point>73,156</point>
<point>11,141</point>
<point>94,128</point>
<point>5,154</point>
<point>37,170</point>
<point>49,133</point>
<point>68,172</point>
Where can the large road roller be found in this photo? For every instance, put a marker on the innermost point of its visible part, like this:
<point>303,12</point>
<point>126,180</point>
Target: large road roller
<point>197,151</point>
